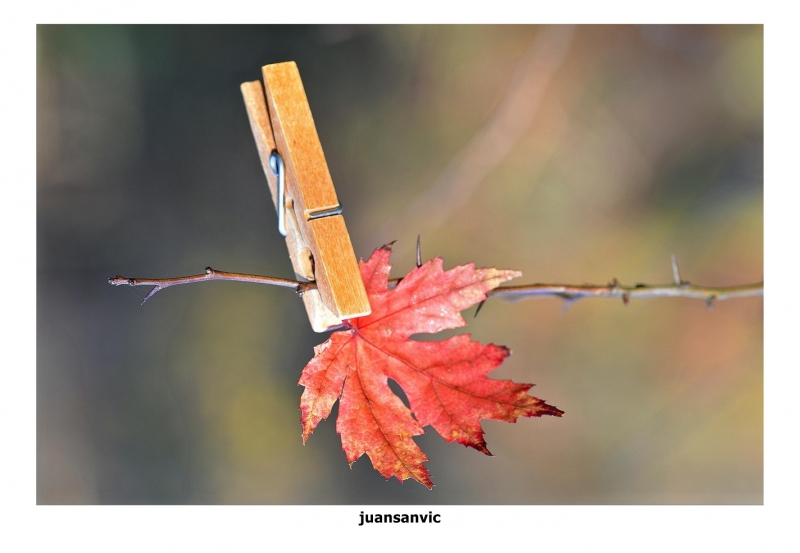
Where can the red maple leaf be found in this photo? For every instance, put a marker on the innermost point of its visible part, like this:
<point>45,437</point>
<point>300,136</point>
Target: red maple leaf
<point>445,382</point>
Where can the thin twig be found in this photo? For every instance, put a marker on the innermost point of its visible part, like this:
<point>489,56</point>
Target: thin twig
<point>614,289</point>
<point>568,292</point>
<point>210,274</point>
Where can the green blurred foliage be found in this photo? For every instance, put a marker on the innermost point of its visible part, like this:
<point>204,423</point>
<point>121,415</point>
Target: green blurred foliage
<point>573,155</point>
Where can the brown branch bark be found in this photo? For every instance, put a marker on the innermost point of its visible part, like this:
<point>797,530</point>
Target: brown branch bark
<point>567,292</point>
<point>210,274</point>
<point>614,289</point>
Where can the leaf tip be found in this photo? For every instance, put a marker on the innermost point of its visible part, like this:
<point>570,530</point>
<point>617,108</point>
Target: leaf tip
<point>424,479</point>
<point>306,433</point>
<point>495,277</point>
<point>543,408</point>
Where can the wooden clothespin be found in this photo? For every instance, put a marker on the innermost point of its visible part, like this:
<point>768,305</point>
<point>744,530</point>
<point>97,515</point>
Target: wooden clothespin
<point>310,217</point>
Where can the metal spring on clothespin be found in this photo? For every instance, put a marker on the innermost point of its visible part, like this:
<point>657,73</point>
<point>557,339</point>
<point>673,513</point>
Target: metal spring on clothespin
<point>309,212</point>
<point>276,164</point>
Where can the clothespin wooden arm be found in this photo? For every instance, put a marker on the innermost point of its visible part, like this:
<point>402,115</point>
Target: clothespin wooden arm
<point>316,235</point>
<point>253,94</point>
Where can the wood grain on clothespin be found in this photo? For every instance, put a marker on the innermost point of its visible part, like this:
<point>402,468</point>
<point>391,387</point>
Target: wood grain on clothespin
<point>319,244</point>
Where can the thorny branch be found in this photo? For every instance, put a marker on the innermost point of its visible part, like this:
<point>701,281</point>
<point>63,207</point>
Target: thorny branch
<point>568,292</point>
<point>614,289</point>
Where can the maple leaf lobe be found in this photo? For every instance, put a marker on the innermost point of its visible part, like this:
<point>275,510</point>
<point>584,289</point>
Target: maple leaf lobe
<point>323,378</point>
<point>446,382</point>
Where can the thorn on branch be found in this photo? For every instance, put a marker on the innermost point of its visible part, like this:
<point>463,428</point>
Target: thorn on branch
<point>150,294</point>
<point>478,310</point>
<point>710,303</point>
<point>568,301</point>
<point>676,275</point>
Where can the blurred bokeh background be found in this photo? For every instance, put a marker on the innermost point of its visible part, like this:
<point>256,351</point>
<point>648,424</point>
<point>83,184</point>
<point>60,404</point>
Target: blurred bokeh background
<point>575,155</point>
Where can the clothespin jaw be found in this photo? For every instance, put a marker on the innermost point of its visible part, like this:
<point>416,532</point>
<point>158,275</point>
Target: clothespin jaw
<point>316,236</point>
